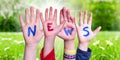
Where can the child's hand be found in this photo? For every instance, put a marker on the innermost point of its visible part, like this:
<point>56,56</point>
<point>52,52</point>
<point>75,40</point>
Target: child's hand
<point>51,29</point>
<point>31,29</point>
<point>32,33</point>
<point>69,31</point>
<point>84,31</point>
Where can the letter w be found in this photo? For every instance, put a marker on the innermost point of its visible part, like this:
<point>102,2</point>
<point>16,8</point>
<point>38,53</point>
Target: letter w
<point>69,31</point>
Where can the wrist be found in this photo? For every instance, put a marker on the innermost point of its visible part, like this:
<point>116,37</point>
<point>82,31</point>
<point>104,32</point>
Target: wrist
<point>31,48</point>
<point>30,51</point>
<point>49,42</point>
<point>69,45</point>
<point>31,45</point>
<point>48,45</point>
<point>83,46</point>
<point>69,50</point>
<point>50,38</point>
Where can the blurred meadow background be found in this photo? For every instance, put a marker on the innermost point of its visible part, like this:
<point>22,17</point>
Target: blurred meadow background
<point>106,13</point>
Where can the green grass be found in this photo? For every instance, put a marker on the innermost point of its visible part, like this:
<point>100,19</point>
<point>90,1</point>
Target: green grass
<point>12,46</point>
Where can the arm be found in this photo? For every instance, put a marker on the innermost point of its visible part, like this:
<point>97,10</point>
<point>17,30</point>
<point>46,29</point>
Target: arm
<point>68,34</point>
<point>32,33</point>
<point>51,29</point>
<point>30,52</point>
<point>69,49</point>
<point>85,34</point>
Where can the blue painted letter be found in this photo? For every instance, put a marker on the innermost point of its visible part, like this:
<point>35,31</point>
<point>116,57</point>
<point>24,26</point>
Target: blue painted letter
<point>85,29</point>
<point>32,31</point>
<point>68,31</point>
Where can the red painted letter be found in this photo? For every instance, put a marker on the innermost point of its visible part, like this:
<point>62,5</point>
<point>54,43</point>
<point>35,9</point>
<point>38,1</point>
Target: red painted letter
<point>49,27</point>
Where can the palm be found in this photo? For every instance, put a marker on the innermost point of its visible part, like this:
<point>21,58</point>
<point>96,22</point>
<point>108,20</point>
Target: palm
<point>31,25</point>
<point>53,26</point>
<point>81,33</point>
<point>32,39</point>
<point>63,35</point>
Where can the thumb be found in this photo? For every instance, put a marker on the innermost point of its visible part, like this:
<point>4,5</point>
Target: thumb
<point>97,30</point>
<point>61,26</point>
<point>76,24</point>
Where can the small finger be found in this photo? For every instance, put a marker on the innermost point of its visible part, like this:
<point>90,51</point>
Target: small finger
<point>21,20</point>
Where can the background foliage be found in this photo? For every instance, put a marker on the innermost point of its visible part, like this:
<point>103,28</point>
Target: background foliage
<point>9,13</point>
<point>104,14</point>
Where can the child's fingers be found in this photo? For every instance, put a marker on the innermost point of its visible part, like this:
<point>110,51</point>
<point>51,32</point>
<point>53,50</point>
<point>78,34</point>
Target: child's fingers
<point>64,14</point>
<point>72,19</point>
<point>68,15</point>
<point>21,20</point>
<point>55,15</point>
<point>76,26</point>
<point>27,16</point>
<point>46,14</point>
<point>41,17</point>
<point>90,19</point>
<point>50,13</point>
<point>75,22</point>
<point>37,17</point>
<point>97,30</point>
<point>81,20</point>
<point>85,17</point>
<point>61,16</point>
